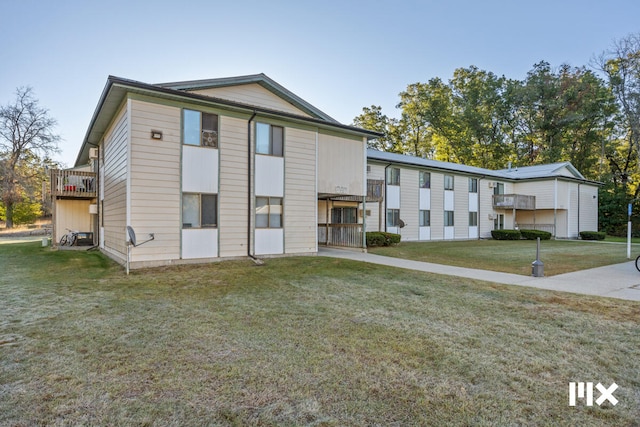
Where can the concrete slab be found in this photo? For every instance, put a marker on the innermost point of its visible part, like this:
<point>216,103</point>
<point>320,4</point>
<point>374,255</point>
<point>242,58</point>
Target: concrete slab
<point>620,281</point>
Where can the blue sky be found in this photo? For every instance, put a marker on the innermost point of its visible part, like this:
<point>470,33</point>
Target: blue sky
<point>338,55</point>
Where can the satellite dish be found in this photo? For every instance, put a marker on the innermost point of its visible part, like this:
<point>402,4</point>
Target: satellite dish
<point>400,223</point>
<point>132,235</point>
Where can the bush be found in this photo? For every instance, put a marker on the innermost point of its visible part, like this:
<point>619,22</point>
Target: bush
<point>534,234</point>
<point>506,234</point>
<point>592,235</point>
<point>374,238</point>
<point>379,238</point>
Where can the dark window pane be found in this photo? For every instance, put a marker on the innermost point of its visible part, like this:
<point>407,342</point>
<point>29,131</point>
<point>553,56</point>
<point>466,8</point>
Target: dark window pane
<point>209,130</point>
<point>209,210</point>
<point>277,140</point>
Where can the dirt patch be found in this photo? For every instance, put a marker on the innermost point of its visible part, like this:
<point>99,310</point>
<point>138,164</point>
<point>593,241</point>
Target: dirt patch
<point>25,233</point>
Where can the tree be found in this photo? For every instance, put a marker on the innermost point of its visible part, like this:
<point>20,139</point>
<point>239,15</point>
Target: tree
<point>26,137</point>
<point>373,119</point>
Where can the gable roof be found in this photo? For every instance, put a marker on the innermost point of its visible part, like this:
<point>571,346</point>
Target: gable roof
<point>547,171</point>
<point>541,171</point>
<point>260,79</point>
<point>117,89</point>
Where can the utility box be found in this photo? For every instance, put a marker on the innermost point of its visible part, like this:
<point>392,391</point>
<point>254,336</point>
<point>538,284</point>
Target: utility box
<point>85,238</point>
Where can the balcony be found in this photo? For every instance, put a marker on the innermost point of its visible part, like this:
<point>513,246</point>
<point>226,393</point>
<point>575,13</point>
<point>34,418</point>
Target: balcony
<point>345,235</point>
<point>375,193</point>
<point>514,201</point>
<point>73,184</point>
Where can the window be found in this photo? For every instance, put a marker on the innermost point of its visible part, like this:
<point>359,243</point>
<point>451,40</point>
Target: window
<point>269,139</point>
<point>448,182</point>
<point>199,210</point>
<point>268,212</point>
<point>498,188</point>
<point>473,185</point>
<point>425,218</point>
<point>200,129</point>
<point>448,218</point>
<point>393,217</point>
<point>473,219</point>
<point>393,176</point>
<point>344,215</point>
<point>425,179</point>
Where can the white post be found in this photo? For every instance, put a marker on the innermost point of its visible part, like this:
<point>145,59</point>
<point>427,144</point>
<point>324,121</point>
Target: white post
<point>629,240</point>
<point>629,232</point>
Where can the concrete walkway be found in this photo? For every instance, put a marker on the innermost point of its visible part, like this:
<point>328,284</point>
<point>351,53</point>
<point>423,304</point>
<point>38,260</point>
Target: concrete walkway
<point>616,281</point>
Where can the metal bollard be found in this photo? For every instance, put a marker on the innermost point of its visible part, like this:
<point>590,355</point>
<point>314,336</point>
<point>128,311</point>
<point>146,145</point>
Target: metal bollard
<point>537,266</point>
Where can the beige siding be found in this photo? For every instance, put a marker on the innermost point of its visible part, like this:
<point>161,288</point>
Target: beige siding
<point>572,211</point>
<point>252,94</point>
<point>341,165</point>
<point>409,203</point>
<point>300,229</point>
<point>485,207</point>
<point>73,215</point>
<point>461,200</point>
<point>155,181</point>
<point>233,208</point>
<point>115,185</point>
<point>437,206</point>
<point>543,190</point>
<point>375,222</point>
<point>588,208</point>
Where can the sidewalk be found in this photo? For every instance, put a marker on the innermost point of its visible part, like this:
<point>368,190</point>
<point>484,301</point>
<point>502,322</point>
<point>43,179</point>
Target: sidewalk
<point>616,281</point>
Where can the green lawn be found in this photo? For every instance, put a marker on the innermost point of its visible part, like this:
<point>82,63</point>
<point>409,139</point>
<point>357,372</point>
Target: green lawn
<point>558,256</point>
<point>299,341</point>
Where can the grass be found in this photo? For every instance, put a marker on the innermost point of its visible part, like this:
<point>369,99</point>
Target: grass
<point>299,341</point>
<point>559,256</point>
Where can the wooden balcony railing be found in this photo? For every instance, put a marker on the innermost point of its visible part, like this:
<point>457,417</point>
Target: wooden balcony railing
<point>70,183</point>
<point>514,201</point>
<point>346,235</point>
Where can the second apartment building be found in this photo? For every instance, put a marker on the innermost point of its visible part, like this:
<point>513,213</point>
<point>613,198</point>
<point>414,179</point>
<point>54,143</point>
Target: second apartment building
<point>432,200</point>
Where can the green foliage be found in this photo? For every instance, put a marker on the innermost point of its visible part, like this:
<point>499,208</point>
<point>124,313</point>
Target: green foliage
<point>24,212</point>
<point>592,235</point>
<point>534,234</point>
<point>506,234</point>
<point>379,238</point>
<point>612,208</point>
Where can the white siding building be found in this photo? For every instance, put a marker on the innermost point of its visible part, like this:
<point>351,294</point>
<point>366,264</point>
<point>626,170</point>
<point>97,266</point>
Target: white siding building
<point>431,200</point>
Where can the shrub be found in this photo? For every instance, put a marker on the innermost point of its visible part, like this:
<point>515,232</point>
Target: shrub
<point>379,238</point>
<point>375,238</point>
<point>534,234</point>
<point>506,234</point>
<point>391,239</point>
<point>592,235</point>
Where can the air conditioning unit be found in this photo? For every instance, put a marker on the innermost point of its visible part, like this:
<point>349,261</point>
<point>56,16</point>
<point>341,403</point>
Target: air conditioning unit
<point>491,218</point>
<point>93,153</point>
<point>492,184</point>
